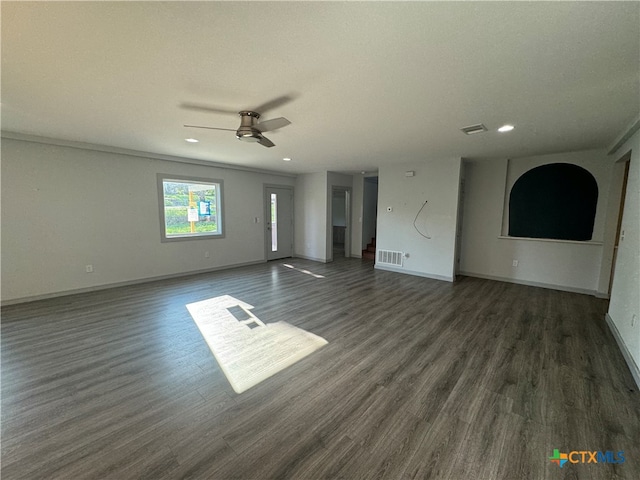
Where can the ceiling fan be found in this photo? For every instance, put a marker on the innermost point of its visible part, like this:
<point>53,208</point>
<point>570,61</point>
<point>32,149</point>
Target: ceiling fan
<point>250,129</point>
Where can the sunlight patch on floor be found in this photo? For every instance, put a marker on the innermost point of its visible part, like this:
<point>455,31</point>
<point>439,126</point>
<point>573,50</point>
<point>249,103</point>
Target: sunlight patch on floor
<point>302,270</point>
<point>248,350</point>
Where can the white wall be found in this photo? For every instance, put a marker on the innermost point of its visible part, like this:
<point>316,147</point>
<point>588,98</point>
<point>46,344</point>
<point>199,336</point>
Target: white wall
<point>311,222</point>
<point>436,181</point>
<point>573,266</point>
<point>625,293</point>
<point>64,208</point>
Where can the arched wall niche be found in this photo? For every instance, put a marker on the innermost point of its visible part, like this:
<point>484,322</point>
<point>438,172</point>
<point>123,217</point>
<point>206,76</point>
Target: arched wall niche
<point>554,201</point>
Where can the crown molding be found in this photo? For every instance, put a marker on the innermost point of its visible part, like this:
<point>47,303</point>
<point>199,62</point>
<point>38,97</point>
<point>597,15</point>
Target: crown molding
<point>627,133</point>
<point>134,153</point>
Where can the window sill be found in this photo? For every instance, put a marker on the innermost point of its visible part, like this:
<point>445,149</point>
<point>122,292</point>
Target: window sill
<point>551,240</point>
<point>180,238</point>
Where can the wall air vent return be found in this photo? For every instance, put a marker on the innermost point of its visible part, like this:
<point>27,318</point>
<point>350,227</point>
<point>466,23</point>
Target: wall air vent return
<point>471,129</point>
<point>388,257</point>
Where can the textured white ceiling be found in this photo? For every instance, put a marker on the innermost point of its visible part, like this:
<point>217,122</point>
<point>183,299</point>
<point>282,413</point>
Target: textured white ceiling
<point>372,83</point>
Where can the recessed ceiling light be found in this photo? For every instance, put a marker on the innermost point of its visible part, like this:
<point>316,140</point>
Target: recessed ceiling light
<point>506,128</point>
<point>191,140</point>
<point>286,159</point>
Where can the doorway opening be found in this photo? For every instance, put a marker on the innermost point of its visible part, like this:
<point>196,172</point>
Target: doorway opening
<point>369,217</point>
<point>340,222</point>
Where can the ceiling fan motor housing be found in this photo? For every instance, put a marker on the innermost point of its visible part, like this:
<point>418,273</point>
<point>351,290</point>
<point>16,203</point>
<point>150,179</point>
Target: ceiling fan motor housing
<point>246,132</point>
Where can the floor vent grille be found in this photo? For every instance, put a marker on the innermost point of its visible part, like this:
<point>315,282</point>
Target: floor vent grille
<point>389,257</point>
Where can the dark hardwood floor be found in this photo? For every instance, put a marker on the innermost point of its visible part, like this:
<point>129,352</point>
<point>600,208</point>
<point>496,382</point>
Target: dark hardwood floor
<point>420,379</point>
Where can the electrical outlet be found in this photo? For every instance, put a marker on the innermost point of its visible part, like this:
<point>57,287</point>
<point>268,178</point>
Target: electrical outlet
<point>515,263</point>
<point>206,254</point>
<point>88,268</point>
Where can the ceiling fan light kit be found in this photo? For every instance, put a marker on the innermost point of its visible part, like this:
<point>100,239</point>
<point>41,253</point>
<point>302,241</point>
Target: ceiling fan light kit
<point>248,136</point>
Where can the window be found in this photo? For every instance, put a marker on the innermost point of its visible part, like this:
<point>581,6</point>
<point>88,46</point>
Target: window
<point>189,207</point>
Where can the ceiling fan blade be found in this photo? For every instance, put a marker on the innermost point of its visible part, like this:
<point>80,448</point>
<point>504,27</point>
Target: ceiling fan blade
<point>211,128</point>
<point>265,142</point>
<point>273,124</point>
<point>275,103</point>
<point>207,108</point>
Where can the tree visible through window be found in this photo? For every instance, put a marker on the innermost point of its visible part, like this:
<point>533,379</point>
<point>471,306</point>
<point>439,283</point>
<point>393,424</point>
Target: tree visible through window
<point>190,207</point>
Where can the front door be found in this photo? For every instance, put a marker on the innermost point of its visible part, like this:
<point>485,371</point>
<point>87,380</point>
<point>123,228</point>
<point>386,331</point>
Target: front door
<point>279,222</point>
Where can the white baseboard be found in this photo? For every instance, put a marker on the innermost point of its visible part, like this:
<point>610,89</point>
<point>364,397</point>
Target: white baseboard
<point>633,366</point>
<point>313,259</point>
<point>550,286</point>
<point>412,272</point>
<point>106,286</point>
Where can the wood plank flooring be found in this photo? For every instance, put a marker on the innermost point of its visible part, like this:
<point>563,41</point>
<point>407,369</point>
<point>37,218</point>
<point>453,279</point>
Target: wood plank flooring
<point>420,379</point>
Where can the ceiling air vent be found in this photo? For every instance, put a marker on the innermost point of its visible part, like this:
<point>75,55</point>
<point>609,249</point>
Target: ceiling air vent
<point>471,129</point>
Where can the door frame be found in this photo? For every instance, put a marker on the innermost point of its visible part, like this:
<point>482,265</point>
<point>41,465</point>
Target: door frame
<point>625,164</point>
<point>267,213</point>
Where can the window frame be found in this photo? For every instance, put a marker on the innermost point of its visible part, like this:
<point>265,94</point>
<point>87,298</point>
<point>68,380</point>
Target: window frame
<point>165,177</point>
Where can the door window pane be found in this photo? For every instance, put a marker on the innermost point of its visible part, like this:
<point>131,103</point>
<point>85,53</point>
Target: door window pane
<point>274,222</point>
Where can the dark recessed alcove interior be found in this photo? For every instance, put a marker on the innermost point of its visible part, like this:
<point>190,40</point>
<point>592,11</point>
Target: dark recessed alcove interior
<point>554,201</point>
